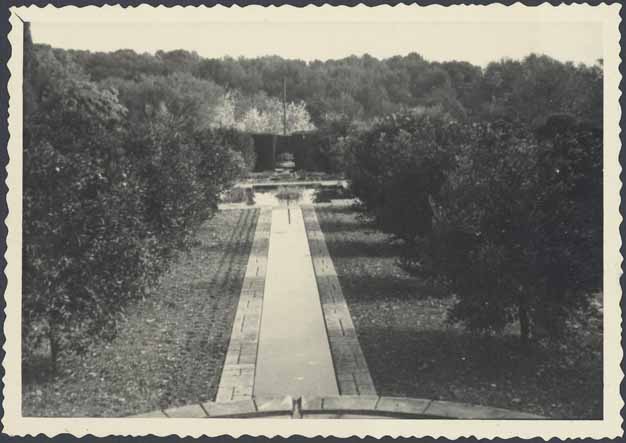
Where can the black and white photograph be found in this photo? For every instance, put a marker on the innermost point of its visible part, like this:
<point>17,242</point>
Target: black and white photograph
<point>330,214</point>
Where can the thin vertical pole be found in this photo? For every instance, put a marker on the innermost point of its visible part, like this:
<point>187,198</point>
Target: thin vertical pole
<point>284,105</point>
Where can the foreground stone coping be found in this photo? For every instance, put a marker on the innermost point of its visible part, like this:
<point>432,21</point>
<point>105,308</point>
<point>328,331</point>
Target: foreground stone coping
<point>340,407</point>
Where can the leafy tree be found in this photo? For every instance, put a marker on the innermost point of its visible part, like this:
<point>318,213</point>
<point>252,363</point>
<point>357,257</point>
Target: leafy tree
<point>465,79</point>
<point>364,88</point>
<point>398,164</point>
<point>194,102</point>
<point>532,89</point>
<point>111,192</point>
<point>518,230</point>
<point>178,60</point>
<point>270,119</point>
<point>242,144</point>
<point>75,259</point>
<point>225,112</point>
<point>334,138</point>
<point>124,63</point>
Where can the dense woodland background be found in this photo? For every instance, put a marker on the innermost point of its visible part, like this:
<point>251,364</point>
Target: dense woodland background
<point>359,88</point>
<point>491,176</point>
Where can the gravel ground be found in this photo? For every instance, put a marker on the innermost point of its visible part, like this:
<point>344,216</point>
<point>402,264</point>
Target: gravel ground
<point>170,348</point>
<point>411,350</point>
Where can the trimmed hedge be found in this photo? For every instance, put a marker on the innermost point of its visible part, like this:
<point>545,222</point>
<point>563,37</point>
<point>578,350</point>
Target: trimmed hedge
<point>265,147</point>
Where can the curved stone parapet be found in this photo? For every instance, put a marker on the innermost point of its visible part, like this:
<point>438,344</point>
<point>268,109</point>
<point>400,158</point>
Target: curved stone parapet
<point>340,407</point>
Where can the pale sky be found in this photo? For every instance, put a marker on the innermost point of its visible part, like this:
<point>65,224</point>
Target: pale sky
<point>478,43</point>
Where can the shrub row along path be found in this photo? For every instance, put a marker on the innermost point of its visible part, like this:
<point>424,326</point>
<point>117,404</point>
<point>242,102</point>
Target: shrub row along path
<point>293,334</point>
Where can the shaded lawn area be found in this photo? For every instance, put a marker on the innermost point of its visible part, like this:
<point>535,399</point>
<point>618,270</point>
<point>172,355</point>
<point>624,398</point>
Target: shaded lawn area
<point>171,347</point>
<point>411,350</point>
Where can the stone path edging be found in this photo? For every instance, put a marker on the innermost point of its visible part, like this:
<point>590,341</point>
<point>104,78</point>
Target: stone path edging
<point>341,407</point>
<point>237,379</point>
<point>353,376</point>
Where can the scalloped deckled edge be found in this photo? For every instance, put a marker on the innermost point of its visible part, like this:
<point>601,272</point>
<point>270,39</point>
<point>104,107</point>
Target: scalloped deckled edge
<point>16,425</point>
<point>4,156</point>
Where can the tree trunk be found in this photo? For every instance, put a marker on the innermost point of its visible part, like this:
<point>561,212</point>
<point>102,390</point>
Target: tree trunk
<point>274,151</point>
<point>53,338</point>
<point>524,323</point>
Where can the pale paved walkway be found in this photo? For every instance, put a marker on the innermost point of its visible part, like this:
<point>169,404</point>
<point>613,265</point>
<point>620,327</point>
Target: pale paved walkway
<point>293,356</point>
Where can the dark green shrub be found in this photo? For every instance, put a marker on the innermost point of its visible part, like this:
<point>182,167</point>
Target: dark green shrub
<point>518,229</point>
<point>242,143</point>
<point>110,195</point>
<point>333,143</point>
<point>82,243</point>
<point>508,217</point>
<point>398,164</point>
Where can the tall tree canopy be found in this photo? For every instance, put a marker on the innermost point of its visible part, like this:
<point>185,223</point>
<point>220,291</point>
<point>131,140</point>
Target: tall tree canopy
<point>363,88</point>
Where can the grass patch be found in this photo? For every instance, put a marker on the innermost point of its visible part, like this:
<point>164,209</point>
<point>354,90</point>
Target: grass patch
<point>412,351</point>
<point>171,347</point>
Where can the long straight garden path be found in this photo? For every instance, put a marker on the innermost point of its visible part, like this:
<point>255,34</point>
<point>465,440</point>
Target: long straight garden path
<point>293,334</point>
<point>294,356</point>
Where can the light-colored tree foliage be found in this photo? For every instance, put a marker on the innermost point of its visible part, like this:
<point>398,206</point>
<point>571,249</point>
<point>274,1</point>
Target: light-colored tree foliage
<point>262,114</point>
